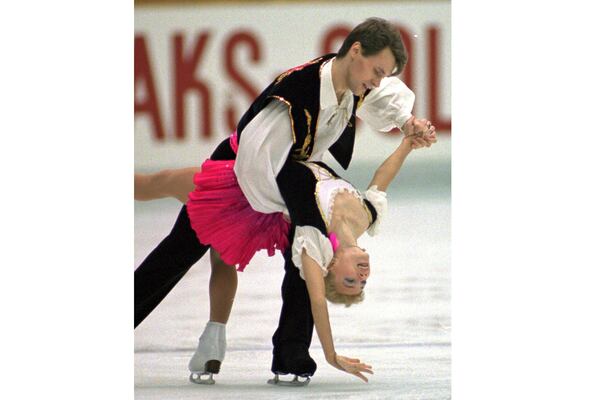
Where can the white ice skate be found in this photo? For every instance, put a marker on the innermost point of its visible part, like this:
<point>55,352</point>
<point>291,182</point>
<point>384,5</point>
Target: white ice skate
<point>294,382</point>
<point>209,355</point>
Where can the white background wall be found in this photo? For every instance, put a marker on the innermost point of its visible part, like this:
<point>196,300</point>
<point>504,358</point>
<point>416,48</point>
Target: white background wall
<point>285,35</point>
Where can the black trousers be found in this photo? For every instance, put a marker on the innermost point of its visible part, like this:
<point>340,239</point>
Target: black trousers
<point>165,266</point>
<point>292,338</point>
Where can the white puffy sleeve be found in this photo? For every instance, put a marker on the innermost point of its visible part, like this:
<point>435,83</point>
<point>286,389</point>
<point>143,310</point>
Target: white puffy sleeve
<point>387,107</point>
<point>317,246</point>
<point>379,200</point>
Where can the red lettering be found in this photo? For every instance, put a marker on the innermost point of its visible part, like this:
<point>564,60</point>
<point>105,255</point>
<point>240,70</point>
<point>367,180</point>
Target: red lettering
<point>408,72</point>
<point>335,35</point>
<point>143,78</point>
<point>407,75</point>
<point>236,41</point>
<point>185,81</point>
<point>440,123</point>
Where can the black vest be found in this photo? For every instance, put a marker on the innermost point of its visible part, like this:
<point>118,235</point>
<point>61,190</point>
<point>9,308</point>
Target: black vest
<point>299,89</point>
<point>297,185</point>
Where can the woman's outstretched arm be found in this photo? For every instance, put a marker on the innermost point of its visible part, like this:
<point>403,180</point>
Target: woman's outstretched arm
<point>387,171</point>
<point>318,305</point>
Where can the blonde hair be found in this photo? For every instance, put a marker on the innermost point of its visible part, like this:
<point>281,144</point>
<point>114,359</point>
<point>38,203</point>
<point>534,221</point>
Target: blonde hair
<point>334,296</point>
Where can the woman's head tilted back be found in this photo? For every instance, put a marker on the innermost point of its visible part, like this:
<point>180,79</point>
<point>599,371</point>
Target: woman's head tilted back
<point>347,276</point>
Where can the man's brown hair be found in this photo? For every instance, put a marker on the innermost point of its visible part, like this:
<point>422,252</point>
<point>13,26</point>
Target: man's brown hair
<point>374,35</point>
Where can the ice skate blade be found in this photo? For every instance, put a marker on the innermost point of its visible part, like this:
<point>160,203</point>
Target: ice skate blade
<point>210,367</point>
<point>294,382</point>
<point>196,377</point>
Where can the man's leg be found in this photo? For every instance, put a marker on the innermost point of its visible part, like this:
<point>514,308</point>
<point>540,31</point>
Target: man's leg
<point>165,266</point>
<point>294,333</point>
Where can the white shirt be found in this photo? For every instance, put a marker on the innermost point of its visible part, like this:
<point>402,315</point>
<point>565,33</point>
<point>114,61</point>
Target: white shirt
<point>267,138</point>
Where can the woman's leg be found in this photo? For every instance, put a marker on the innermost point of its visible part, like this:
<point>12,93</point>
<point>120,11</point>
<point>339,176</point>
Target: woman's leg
<point>212,344</point>
<point>222,288</point>
<point>175,183</point>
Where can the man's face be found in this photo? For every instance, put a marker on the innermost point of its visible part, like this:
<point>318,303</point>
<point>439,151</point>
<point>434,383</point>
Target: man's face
<point>367,72</point>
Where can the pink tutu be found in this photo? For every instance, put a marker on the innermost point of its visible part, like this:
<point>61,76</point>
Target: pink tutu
<point>222,217</point>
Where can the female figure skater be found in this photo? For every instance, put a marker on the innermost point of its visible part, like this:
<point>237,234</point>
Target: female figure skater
<point>328,215</point>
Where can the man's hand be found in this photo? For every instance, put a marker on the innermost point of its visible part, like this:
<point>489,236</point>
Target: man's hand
<point>352,366</point>
<point>420,131</point>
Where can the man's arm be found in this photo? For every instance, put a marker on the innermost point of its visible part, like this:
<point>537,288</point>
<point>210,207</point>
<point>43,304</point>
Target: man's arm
<point>390,106</point>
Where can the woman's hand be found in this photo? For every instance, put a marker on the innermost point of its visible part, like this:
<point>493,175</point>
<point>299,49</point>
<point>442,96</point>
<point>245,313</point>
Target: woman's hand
<point>418,133</point>
<point>352,366</point>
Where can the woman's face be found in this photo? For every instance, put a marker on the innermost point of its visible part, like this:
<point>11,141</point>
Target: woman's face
<point>351,270</point>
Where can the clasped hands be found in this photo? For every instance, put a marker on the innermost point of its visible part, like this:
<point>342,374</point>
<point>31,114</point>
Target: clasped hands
<point>420,132</point>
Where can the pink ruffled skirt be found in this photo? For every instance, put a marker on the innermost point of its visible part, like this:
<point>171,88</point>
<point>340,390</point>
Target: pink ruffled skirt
<point>222,217</point>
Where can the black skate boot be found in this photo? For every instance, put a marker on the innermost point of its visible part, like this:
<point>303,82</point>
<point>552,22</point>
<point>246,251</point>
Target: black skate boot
<point>292,359</point>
